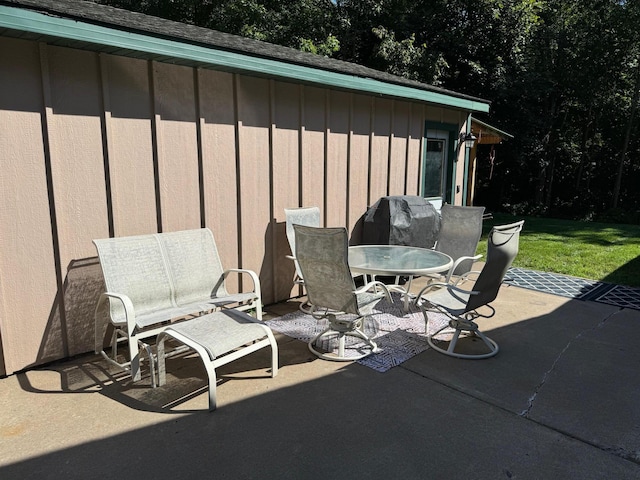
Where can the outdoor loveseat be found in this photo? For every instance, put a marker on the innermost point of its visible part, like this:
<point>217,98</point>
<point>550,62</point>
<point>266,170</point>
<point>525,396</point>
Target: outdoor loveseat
<point>153,280</point>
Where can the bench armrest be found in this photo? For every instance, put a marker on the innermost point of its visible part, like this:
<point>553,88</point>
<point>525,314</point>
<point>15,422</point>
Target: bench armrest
<point>251,273</point>
<point>129,313</point>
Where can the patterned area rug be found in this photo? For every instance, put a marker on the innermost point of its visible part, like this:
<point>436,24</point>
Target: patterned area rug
<point>573,287</point>
<point>399,335</point>
<point>554,283</point>
<point>621,296</point>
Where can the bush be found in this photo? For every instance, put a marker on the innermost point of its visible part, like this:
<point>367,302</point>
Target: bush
<point>619,215</point>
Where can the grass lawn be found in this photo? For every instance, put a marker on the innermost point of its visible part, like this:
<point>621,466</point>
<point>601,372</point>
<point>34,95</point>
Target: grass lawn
<point>596,251</point>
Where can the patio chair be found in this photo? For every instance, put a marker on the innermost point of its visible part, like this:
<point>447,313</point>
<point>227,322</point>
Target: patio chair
<point>461,306</point>
<point>323,257</point>
<point>308,216</point>
<point>460,232</point>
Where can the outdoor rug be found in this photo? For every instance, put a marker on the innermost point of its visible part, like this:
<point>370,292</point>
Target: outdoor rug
<point>621,296</point>
<point>574,287</point>
<point>399,335</point>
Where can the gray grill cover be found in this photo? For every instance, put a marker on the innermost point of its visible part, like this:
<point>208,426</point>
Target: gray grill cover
<point>401,220</point>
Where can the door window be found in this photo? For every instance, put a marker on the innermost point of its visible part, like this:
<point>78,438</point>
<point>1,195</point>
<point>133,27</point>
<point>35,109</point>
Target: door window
<point>434,162</point>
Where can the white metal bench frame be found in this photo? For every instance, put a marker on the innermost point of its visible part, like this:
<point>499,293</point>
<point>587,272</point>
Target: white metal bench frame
<point>154,279</point>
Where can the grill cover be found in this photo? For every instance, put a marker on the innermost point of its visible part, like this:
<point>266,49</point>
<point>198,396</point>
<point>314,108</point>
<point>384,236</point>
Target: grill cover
<point>401,220</point>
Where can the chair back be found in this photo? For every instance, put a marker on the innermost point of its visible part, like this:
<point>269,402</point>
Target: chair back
<point>460,232</point>
<point>502,249</point>
<point>308,216</point>
<point>323,257</point>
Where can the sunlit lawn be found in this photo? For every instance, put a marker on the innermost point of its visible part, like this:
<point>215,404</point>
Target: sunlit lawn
<point>597,251</point>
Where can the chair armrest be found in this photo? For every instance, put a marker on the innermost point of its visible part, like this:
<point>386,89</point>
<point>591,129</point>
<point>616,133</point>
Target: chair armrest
<point>375,284</point>
<point>129,312</point>
<point>251,273</point>
<point>430,286</point>
<point>441,285</point>
<point>465,276</point>
<point>458,262</point>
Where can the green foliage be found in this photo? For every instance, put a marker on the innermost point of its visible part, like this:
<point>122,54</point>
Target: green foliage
<point>596,251</point>
<point>563,77</point>
<point>401,58</point>
<point>302,24</point>
<point>326,48</point>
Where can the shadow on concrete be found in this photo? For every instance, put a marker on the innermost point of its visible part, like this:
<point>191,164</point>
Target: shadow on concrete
<point>558,401</point>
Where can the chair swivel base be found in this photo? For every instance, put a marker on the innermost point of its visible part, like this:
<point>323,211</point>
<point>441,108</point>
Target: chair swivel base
<point>342,329</point>
<point>463,326</point>
<point>306,307</point>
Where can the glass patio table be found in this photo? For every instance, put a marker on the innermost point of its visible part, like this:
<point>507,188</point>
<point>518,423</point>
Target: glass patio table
<point>397,261</point>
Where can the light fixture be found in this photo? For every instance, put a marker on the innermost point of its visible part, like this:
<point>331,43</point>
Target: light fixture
<point>469,139</point>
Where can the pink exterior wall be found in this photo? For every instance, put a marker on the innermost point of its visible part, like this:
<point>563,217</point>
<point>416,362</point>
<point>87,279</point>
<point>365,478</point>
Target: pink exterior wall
<point>285,148</point>
<point>337,137</point>
<point>361,111</point>
<point>129,122</point>
<point>95,145</point>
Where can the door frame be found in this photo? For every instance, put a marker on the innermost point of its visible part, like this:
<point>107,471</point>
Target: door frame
<point>449,168</point>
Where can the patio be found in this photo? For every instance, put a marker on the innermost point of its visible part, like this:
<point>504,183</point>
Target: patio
<point>560,400</point>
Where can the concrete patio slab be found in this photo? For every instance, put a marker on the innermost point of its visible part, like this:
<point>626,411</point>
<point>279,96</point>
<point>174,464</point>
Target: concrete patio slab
<point>592,392</point>
<point>532,330</point>
<point>431,417</point>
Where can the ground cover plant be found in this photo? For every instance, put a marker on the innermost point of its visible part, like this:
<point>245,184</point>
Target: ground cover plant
<point>596,251</point>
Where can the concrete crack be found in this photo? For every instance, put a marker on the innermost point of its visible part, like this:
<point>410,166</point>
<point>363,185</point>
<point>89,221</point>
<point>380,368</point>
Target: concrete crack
<point>525,413</point>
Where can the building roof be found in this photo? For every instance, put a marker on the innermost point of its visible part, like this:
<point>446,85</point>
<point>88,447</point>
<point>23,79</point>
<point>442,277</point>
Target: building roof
<point>488,134</point>
<point>92,26</point>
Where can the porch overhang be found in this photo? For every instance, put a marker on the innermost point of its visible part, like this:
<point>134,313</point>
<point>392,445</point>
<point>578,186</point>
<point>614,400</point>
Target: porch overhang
<point>488,134</point>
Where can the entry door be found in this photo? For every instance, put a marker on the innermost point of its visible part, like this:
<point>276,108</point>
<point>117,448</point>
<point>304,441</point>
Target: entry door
<point>434,171</point>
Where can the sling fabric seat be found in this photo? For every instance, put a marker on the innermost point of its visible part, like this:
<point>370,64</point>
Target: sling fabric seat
<point>219,338</point>
<point>460,232</point>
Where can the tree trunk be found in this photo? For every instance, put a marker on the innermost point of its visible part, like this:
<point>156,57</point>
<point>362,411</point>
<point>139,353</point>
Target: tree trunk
<point>552,168</point>
<point>585,157</point>
<point>627,136</point>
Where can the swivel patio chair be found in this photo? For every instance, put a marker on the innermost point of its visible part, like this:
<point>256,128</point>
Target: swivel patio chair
<point>461,306</point>
<point>323,257</point>
<point>460,232</point>
<point>310,217</point>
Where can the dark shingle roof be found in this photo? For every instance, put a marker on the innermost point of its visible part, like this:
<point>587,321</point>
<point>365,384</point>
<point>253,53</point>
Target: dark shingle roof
<point>116,18</point>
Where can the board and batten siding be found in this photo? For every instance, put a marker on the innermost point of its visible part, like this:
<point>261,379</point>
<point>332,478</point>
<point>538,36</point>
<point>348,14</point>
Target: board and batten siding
<point>96,145</point>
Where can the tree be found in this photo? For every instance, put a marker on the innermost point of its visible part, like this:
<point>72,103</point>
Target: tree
<point>306,25</point>
<point>563,76</point>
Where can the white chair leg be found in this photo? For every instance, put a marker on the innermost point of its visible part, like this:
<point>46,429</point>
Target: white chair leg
<point>274,353</point>
<point>211,373</point>
<point>162,369</point>
<point>454,340</point>
<point>341,342</point>
<point>134,352</point>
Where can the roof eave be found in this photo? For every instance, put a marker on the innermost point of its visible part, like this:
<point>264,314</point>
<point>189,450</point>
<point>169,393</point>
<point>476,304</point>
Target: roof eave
<point>497,131</point>
<point>65,31</point>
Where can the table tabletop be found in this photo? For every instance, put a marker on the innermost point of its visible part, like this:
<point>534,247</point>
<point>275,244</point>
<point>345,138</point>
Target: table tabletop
<point>396,260</point>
